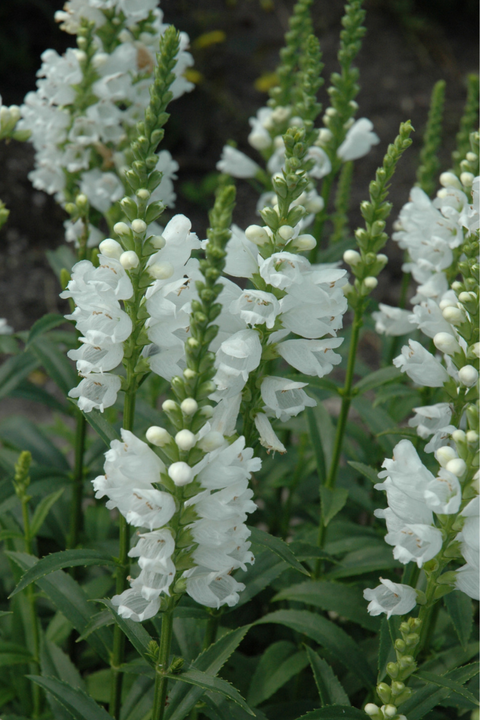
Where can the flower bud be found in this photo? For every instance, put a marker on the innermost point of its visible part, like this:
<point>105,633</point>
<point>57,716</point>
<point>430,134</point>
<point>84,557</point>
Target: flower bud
<point>471,437</point>
<point>143,194</point>
<point>370,282</point>
<point>397,687</point>
<point>447,302</point>
<point>457,467</point>
<point>315,204</point>
<point>158,436</point>
<point>448,179</point>
<point>475,349</point>
<point>207,411</point>
<point>389,711</point>
<point>285,232</point>
<point>161,270</point>
<point>304,242</point>
<point>374,711</point>
<point>382,258</point>
<point>392,669</point>
<point>444,454</point>
<point>122,229</point>
<point>453,315</point>
<point>467,178</point>
<point>468,375</point>
<point>352,257</point>
<point>180,473</point>
<point>324,136</point>
<point>257,235</point>
<point>188,373</point>
<point>259,140</point>
<point>139,226</point>
<point>384,692</point>
<point>129,260</point>
<point>111,248</point>
<point>458,436</point>
<point>211,441</point>
<point>81,201</point>
<point>169,406</point>
<point>185,440</point>
<point>157,241</point>
<point>446,343</point>
<point>189,406</point>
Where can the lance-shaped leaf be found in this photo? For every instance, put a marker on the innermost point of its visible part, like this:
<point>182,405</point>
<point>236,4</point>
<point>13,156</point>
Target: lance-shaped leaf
<point>75,700</point>
<point>425,699</point>
<point>101,426</point>
<point>366,470</point>
<point>333,500</point>
<point>329,687</point>
<point>42,510</point>
<point>134,631</point>
<point>43,325</point>
<point>277,546</point>
<point>377,378</point>
<point>459,607</point>
<point>335,712</point>
<point>279,663</point>
<point>16,369</point>
<point>14,654</point>
<point>60,560</point>
<point>209,682</point>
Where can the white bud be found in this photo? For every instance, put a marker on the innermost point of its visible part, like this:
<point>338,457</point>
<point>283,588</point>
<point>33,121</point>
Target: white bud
<point>296,122</point>
<point>471,157</point>
<point>111,248</point>
<point>347,125</point>
<point>169,406</point>
<point>457,467</point>
<point>372,710</point>
<point>122,228</point>
<point>445,454</point>
<point>467,297</point>
<point>185,440</point>
<point>278,144</point>
<point>143,194</point>
<point>446,303</point>
<point>330,112</point>
<point>207,411</point>
<point>211,441</point>
<point>81,201</point>
<point>370,282</point>
<point>304,242</point>
<point>139,226</point>
<point>389,710</point>
<point>157,241</point>
<point>443,193</point>
<point>446,343</point>
<point>129,260</point>
<point>475,349</point>
<point>257,235</point>
<point>99,59</point>
<point>467,178</point>
<point>189,406</point>
<point>259,141</point>
<point>471,437</point>
<point>81,55</point>
<point>448,179</point>
<point>180,473</point>
<point>158,436</point>
<point>352,257</point>
<point>324,135</point>
<point>285,232</point>
<point>280,114</point>
<point>468,375</point>
<point>161,270</point>
<point>453,315</point>
<point>456,286</point>
<point>188,373</point>
<point>315,204</point>
<point>382,258</point>
<point>458,436</point>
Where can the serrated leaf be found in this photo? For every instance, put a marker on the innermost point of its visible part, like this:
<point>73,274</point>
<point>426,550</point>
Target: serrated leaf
<point>335,712</point>
<point>210,662</point>
<point>306,551</point>
<point>328,635</point>
<point>43,325</point>
<point>134,631</point>
<point>278,664</point>
<point>376,420</point>
<point>42,510</point>
<point>447,683</point>
<point>366,470</point>
<point>56,364</point>
<point>58,561</point>
<point>215,684</point>
<point>459,607</point>
<point>98,620</point>
<point>26,390</point>
<point>56,664</point>
<point>329,687</point>
<point>70,598</point>
<point>257,577</point>
<point>14,654</point>
<point>277,546</point>
<point>75,700</point>
<point>346,600</point>
<point>377,378</point>
<point>101,426</point>
<point>218,708</point>
<point>425,699</point>
<point>386,651</point>
<point>23,434</point>
<point>333,500</point>
<point>14,370</point>
<point>370,558</point>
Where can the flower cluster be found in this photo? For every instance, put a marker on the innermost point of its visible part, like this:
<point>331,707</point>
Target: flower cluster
<point>87,102</point>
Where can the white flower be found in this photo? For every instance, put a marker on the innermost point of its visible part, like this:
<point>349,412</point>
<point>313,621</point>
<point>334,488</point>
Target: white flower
<point>95,359</point>
<point>358,141</point>
<point>5,329</point>
<point>312,357</point>
<point>443,494</point>
<point>236,358</point>
<point>235,163</point>
<point>101,188</point>
<point>390,598</point>
<point>133,606</point>
<point>391,320</point>
<point>433,420</point>
<point>241,260</point>
<point>284,398</point>
<point>428,317</point>
<point>420,365</point>
<point>256,307</point>
<point>321,162</point>
<point>212,589</point>
<point>419,543</point>
<point>283,269</point>
<point>267,436</point>
<point>96,390</point>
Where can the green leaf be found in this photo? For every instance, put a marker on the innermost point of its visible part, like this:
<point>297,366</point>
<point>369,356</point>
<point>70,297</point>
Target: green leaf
<point>134,631</point>
<point>329,687</point>
<point>316,444</point>
<point>68,597</point>
<point>75,700</point>
<point>277,546</point>
<point>459,607</point>
<point>14,654</point>
<point>386,651</point>
<point>379,377</point>
<point>56,664</point>
<point>209,682</point>
<point>101,426</point>
<point>335,251</point>
<point>366,470</point>
<point>43,325</point>
<point>425,699</point>
<point>219,708</point>
<point>26,390</point>
<point>327,634</point>
<point>58,561</point>
<point>306,551</point>
<point>278,664</point>
<point>325,431</point>
<point>208,662</point>
<point>367,559</point>
<point>56,364</point>
<point>376,420</point>
<point>98,620</point>
<point>346,600</point>
<point>447,683</point>
<point>42,510</point>
<point>257,577</point>
<point>333,500</point>
<point>23,434</point>
<point>14,370</point>
<point>333,712</point>
<point>61,258</point>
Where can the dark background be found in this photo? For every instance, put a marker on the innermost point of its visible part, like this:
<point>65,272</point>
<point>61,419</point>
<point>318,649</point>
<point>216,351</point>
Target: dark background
<point>410,44</point>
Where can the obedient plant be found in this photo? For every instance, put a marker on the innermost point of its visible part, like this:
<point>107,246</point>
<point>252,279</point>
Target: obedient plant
<point>201,472</point>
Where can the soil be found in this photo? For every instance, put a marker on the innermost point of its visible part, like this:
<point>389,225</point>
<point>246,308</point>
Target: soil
<point>406,50</point>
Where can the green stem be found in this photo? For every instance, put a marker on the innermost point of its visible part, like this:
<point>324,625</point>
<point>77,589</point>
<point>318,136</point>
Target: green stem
<point>322,215</point>
<point>118,651</point>
<point>161,681</point>
<point>76,507</point>
<point>30,592</point>
<point>211,630</point>
<point>342,419</point>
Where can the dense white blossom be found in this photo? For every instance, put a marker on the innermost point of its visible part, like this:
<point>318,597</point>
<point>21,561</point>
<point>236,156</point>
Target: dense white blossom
<point>390,598</point>
<point>358,141</point>
<point>421,366</point>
